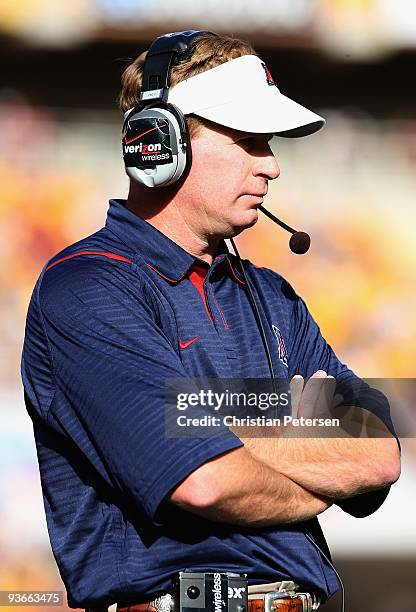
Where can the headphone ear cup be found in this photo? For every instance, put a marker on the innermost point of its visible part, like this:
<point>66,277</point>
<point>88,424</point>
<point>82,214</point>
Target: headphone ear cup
<point>156,146</point>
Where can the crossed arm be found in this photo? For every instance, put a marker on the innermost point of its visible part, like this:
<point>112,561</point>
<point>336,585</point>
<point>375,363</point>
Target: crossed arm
<point>281,480</point>
<point>334,464</point>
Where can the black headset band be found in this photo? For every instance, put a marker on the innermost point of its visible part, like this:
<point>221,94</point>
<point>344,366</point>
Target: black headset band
<point>157,66</point>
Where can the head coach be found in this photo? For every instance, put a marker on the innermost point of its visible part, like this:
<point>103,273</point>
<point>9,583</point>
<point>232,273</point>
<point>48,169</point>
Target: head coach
<point>155,295</point>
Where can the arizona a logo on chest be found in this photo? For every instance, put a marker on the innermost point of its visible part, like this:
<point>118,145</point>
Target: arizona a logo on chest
<point>282,352</point>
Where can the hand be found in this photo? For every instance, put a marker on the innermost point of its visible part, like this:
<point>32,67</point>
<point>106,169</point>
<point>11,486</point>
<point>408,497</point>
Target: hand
<point>317,399</point>
<point>313,399</point>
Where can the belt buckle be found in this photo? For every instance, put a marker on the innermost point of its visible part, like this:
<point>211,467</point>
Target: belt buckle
<point>270,597</point>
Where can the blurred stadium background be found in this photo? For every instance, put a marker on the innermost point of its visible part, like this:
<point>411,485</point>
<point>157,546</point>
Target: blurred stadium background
<point>351,186</point>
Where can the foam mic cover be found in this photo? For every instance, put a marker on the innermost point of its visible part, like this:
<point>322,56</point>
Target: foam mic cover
<point>300,242</point>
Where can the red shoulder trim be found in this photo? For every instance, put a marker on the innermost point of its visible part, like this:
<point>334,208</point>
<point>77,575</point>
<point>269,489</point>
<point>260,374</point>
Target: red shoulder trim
<point>109,255</point>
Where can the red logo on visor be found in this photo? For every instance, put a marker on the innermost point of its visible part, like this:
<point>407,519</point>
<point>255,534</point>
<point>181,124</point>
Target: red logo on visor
<point>270,80</point>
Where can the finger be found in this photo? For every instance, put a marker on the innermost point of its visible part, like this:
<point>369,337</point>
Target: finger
<point>311,393</point>
<point>319,374</point>
<point>296,388</point>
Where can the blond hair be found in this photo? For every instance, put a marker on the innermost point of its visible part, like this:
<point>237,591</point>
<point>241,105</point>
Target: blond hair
<point>207,51</point>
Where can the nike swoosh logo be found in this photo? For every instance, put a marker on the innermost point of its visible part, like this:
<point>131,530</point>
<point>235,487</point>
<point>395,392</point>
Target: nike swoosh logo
<point>183,344</point>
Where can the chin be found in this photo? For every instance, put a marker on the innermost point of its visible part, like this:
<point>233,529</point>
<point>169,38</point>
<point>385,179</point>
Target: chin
<point>237,227</point>
<point>250,218</point>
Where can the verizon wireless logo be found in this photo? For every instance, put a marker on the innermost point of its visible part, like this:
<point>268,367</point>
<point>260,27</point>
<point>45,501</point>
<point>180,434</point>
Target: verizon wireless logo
<point>151,151</point>
<point>144,149</point>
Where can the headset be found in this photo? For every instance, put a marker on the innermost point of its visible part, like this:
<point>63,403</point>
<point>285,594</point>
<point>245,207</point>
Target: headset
<point>156,144</point>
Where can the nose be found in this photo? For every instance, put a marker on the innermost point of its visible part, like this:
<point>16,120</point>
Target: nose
<point>267,165</point>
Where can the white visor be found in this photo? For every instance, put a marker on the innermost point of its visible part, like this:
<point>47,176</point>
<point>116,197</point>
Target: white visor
<point>241,94</point>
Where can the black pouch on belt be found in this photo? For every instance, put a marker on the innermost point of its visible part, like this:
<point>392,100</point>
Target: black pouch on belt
<point>211,592</point>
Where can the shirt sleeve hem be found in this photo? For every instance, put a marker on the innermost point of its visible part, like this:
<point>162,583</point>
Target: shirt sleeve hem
<point>158,490</point>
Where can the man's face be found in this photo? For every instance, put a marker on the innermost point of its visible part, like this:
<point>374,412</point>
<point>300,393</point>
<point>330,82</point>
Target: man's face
<point>227,181</point>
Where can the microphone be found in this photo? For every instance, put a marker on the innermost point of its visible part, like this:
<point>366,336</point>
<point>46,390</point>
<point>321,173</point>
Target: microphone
<point>299,242</point>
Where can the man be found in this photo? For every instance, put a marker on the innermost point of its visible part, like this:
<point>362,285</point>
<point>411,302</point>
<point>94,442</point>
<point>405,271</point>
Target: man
<point>155,296</point>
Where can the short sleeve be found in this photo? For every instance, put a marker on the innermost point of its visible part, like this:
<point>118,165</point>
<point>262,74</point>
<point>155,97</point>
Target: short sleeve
<point>110,360</point>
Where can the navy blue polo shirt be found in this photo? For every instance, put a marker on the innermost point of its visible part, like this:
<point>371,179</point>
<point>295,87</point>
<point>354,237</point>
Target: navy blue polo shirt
<point>111,318</point>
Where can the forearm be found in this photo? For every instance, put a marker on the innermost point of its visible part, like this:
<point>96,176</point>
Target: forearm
<point>332,467</point>
<point>242,490</point>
